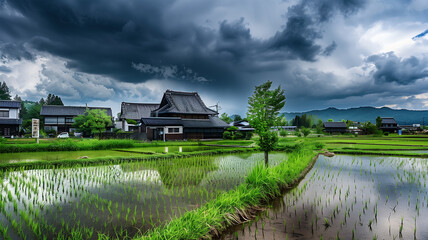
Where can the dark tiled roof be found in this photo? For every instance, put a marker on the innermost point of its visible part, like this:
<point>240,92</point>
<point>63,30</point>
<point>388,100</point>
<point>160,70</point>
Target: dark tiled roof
<point>10,104</point>
<point>183,102</point>
<point>160,121</point>
<point>212,122</point>
<point>388,120</point>
<point>137,111</point>
<point>10,121</point>
<point>54,110</point>
<point>335,125</point>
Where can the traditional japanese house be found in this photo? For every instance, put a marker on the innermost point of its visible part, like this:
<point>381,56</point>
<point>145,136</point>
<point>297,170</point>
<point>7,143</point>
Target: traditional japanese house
<point>10,122</point>
<point>182,115</point>
<point>60,118</point>
<point>389,125</point>
<point>335,127</point>
<point>134,112</point>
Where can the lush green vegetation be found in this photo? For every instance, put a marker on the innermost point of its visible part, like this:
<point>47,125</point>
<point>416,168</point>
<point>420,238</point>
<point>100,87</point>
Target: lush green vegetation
<point>263,114</point>
<point>92,121</point>
<point>262,184</point>
<point>42,164</point>
<point>118,200</point>
<point>67,145</point>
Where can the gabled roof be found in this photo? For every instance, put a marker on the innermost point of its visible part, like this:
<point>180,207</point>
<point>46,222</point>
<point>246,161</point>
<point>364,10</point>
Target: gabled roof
<point>11,121</point>
<point>335,125</point>
<point>388,120</point>
<point>137,111</point>
<point>55,110</point>
<point>10,104</point>
<point>184,103</point>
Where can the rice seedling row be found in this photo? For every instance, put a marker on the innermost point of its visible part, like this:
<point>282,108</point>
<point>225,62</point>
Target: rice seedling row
<point>114,201</point>
<point>349,197</point>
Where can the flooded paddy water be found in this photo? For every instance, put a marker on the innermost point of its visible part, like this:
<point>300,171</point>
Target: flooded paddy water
<point>119,201</point>
<point>349,197</point>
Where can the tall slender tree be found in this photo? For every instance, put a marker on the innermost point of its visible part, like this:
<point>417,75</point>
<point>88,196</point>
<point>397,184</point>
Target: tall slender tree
<point>4,92</point>
<point>263,113</point>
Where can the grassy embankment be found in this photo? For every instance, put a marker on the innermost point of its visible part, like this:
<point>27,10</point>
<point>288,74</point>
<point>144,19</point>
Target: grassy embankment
<point>51,145</point>
<point>113,160</point>
<point>393,145</point>
<point>240,204</point>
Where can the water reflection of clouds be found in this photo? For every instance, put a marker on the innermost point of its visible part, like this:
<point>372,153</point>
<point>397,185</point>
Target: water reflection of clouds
<point>370,187</point>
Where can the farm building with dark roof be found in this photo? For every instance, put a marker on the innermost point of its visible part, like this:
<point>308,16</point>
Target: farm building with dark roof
<point>60,118</point>
<point>182,115</point>
<point>9,118</point>
<point>335,127</point>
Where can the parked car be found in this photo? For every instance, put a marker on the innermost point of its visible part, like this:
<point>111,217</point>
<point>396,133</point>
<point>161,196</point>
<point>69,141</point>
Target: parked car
<point>63,135</point>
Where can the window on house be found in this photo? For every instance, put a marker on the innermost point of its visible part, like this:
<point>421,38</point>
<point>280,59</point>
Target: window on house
<point>4,113</point>
<point>51,120</point>
<point>173,130</point>
<point>69,120</point>
<point>61,120</point>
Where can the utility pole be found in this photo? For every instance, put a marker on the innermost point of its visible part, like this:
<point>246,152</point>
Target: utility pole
<point>217,107</point>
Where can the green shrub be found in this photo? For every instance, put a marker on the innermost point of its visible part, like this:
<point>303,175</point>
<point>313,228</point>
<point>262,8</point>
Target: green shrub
<point>248,135</point>
<point>305,131</point>
<point>238,135</point>
<point>319,145</point>
<point>297,133</point>
<point>282,133</point>
<point>386,133</point>
<point>227,135</point>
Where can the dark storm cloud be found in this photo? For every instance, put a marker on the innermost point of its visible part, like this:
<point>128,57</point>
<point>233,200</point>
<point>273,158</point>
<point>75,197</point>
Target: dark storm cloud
<point>105,38</point>
<point>302,29</point>
<point>12,51</point>
<point>393,69</point>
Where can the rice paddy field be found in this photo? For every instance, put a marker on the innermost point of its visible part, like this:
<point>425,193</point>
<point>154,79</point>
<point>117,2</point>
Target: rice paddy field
<point>115,201</point>
<point>126,152</point>
<point>349,197</point>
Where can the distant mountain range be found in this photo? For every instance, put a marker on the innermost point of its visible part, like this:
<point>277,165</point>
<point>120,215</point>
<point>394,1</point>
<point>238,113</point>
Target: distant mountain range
<point>363,114</point>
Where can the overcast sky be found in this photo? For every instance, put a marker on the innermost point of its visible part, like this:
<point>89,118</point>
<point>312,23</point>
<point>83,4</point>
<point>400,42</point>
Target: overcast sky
<point>324,53</point>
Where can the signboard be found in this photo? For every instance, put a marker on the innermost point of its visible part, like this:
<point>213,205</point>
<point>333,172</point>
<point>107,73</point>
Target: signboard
<point>35,128</point>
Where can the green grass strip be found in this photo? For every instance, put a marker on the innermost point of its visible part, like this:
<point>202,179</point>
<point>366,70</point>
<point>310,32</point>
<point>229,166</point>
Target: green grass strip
<point>233,207</point>
<point>113,160</point>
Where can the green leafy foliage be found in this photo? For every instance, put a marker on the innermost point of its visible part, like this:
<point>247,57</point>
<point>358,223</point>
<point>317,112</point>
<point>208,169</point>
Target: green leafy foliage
<point>54,100</point>
<point>305,131</point>
<point>4,92</point>
<point>378,122</point>
<point>303,121</point>
<point>263,111</point>
<point>131,121</point>
<point>92,121</point>
<point>226,118</point>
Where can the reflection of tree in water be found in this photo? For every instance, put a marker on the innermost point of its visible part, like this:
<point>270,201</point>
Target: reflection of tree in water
<point>186,171</point>
<point>177,172</point>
